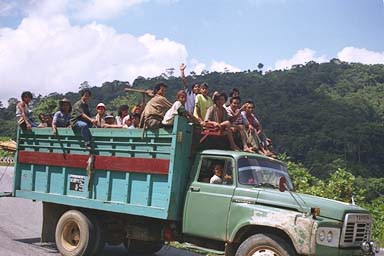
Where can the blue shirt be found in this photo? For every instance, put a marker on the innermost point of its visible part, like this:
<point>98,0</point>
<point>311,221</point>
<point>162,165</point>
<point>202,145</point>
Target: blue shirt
<point>61,120</point>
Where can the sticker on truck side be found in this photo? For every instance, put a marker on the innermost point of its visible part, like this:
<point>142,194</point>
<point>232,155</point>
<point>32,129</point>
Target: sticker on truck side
<point>76,183</point>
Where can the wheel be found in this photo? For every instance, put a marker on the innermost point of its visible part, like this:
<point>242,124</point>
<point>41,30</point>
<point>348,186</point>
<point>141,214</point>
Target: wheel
<point>142,247</point>
<point>74,234</point>
<point>99,242</point>
<point>265,245</point>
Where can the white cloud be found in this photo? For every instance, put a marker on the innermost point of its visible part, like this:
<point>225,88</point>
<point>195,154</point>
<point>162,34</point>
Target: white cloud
<point>362,55</point>
<point>221,66</point>
<point>45,55</point>
<point>300,57</point>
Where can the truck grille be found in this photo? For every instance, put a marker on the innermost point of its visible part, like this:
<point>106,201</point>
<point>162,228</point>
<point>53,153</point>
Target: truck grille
<point>356,229</point>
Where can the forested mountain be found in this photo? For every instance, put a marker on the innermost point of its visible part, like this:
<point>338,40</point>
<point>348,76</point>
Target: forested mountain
<point>325,115</point>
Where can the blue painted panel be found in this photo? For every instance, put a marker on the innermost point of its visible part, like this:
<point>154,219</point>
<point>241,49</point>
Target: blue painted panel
<point>101,186</point>
<point>160,191</point>
<point>41,178</point>
<point>56,180</point>
<point>139,189</point>
<point>25,177</point>
<point>118,187</point>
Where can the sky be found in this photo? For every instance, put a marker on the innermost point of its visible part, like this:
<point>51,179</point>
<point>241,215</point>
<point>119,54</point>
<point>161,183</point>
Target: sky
<point>54,45</point>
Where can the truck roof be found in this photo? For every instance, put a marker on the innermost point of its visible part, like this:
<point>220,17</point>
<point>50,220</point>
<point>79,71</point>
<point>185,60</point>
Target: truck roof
<point>236,154</point>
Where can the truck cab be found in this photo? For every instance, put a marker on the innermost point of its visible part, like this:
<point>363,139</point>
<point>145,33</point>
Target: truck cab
<point>255,210</point>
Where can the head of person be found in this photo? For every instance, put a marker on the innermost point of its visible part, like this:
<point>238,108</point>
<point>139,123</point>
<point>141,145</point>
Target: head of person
<point>109,119</point>
<point>85,95</point>
<point>26,96</point>
<point>235,102</point>
<point>234,93</point>
<point>136,119</point>
<point>181,96</point>
<point>136,109</point>
<point>196,88</point>
<point>46,118</point>
<point>65,106</point>
<point>204,89</point>
<point>218,170</point>
<point>123,111</point>
<point>160,89</point>
<point>219,99</point>
<point>100,108</point>
<point>250,107</point>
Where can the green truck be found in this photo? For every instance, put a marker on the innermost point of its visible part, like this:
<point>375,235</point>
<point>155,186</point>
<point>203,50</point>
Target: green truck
<point>148,188</point>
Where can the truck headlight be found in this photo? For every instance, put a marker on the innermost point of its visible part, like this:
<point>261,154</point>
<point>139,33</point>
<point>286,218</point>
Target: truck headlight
<point>328,236</point>
<point>322,235</point>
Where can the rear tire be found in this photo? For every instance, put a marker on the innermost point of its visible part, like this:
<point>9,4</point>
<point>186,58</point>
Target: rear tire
<point>75,234</point>
<point>261,244</point>
<point>143,247</point>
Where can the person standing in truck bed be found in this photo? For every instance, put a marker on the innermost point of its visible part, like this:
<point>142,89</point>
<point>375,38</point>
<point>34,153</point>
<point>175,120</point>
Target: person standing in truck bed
<point>81,117</point>
<point>156,108</point>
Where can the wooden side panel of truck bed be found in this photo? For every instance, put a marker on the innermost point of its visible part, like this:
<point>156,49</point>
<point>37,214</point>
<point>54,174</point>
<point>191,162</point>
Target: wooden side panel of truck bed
<point>134,173</point>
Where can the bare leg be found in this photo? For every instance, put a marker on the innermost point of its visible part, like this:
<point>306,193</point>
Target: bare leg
<point>231,140</point>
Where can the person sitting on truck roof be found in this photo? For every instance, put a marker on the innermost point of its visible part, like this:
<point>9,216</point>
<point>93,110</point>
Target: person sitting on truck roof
<point>236,120</point>
<point>81,117</point>
<point>217,178</point>
<point>190,92</point>
<point>178,109</point>
<point>24,113</point>
<point>256,137</point>
<point>234,93</point>
<point>156,108</point>
<point>217,116</point>
<point>202,103</point>
<point>62,117</point>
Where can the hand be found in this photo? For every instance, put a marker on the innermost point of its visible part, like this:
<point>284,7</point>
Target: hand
<point>182,67</point>
<point>29,126</point>
<point>93,121</point>
<point>245,105</point>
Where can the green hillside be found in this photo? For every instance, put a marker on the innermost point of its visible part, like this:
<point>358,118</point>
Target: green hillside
<point>325,116</point>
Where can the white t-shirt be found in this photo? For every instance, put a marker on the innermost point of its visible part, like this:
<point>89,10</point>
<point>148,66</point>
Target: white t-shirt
<point>171,113</point>
<point>216,180</point>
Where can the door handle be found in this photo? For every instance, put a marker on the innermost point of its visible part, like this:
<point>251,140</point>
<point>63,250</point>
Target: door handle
<point>195,189</point>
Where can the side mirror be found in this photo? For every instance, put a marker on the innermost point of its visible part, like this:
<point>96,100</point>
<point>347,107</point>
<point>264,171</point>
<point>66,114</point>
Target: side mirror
<point>282,183</point>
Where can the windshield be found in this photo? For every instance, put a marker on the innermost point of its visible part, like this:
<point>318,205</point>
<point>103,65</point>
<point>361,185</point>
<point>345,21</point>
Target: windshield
<point>262,172</point>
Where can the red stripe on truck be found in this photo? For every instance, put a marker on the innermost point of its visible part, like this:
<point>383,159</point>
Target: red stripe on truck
<point>110,163</point>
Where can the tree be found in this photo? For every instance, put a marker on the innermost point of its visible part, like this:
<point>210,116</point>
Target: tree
<point>84,85</point>
<point>260,66</point>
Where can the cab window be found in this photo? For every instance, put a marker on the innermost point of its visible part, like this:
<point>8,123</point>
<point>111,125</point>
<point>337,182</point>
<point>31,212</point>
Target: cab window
<point>216,171</point>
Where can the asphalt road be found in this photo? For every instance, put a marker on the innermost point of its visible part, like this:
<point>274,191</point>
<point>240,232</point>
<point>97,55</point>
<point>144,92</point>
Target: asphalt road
<point>20,227</point>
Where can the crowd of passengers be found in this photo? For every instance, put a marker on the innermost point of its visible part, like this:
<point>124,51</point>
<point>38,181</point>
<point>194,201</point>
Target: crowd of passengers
<point>194,102</point>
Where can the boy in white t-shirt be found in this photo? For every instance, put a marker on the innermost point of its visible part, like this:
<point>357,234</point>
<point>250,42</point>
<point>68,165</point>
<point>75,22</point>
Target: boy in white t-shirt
<point>178,109</point>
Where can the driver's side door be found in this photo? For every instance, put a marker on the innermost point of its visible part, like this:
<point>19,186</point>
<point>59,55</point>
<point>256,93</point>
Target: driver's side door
<point>207,205</point>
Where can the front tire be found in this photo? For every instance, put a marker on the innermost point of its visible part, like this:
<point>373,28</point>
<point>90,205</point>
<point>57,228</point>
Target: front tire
<point>74,234</point>
<point>265,245</point>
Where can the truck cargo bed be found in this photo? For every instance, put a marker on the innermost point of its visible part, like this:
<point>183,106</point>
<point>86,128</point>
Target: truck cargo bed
<point>134,172</point>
